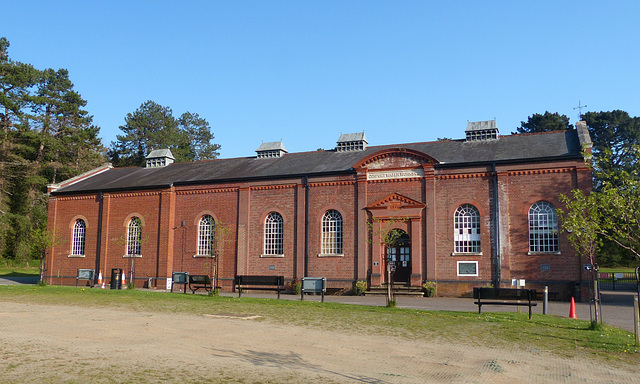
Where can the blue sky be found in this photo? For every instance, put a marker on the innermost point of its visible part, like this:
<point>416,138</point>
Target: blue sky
<point>306,71</point>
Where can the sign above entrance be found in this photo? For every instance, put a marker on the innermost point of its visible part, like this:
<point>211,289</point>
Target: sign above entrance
<point>399,174</point>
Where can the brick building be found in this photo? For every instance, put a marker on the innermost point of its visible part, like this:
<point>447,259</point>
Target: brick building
<point>469,212</point>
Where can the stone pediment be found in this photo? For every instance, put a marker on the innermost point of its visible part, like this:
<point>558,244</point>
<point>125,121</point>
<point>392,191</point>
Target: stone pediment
<point>396,201</point>
<point>396,159</point>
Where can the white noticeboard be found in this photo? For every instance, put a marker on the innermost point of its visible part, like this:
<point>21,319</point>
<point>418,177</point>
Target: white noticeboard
<point>169,281</point>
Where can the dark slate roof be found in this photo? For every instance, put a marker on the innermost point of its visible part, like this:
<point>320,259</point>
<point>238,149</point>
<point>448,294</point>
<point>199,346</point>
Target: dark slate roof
<point>272,146</point>
<point>515,148</point>
<point>358,136</point>
<point>160,153</point>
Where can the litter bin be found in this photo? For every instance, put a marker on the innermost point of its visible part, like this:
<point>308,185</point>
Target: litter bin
<point>576,292</point>
<point>116,278</point>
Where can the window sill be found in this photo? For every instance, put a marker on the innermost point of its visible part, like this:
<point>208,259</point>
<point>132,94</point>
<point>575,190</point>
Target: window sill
<point>331,255</point>
<point>543,253</point>
<point>131,256</point>
<point>466,253</point>
<point>272,256</point>
<point>203,256</point>
<point>76,256</point>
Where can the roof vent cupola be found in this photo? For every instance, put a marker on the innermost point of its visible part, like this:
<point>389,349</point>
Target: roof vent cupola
<point>270,150</point>
<point>159,158</point>
<point>482,130</point>
<point>349,142</point>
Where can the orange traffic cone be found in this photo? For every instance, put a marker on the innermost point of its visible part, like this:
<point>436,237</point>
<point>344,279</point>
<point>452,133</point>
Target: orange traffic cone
<point>572,309</point>
<point>100,282</point>
<point>123,279</point>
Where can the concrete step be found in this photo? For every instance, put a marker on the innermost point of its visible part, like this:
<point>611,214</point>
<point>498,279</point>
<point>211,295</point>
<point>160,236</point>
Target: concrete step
<point>398,290</point>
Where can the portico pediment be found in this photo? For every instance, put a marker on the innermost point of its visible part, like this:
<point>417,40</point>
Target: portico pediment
<point>396,205</point>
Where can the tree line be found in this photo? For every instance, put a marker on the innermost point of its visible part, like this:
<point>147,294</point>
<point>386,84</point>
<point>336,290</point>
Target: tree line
<point>47,136</point>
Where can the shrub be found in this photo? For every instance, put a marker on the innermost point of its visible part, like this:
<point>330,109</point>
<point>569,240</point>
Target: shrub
<point>295,286</point>
<point>429,288</point>
<point>361,287</point>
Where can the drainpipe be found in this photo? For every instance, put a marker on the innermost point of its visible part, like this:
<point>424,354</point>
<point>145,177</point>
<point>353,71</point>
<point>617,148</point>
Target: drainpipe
<point>496,228</point>
<point>306,226</point>
<point>99,236</point>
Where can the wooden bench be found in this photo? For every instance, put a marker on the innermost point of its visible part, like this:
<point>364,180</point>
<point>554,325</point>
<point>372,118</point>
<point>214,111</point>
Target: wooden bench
<point>199,281</point>
<point>504,296</point>
<point>265,283</point>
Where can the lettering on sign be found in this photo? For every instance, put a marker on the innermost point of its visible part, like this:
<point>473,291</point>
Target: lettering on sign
<point>402,174</point>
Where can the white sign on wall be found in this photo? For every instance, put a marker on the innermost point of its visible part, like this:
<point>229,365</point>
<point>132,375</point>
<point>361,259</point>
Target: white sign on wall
<point>399,174</point>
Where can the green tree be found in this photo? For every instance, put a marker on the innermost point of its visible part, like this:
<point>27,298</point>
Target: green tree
<point>615,136</point>
<point>582,222</point>
<point>46,136</point>
<point>153,126</point>
<point>199,136</point>
<point>619,203</point>
<point>544,123</point>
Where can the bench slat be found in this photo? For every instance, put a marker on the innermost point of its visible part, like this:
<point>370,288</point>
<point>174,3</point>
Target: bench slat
<point>507,296</point>
<point>267,283</point>
<point>199,281</point>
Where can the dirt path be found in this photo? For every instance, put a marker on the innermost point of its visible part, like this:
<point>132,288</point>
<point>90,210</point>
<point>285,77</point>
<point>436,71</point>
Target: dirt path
<point>70,344</point>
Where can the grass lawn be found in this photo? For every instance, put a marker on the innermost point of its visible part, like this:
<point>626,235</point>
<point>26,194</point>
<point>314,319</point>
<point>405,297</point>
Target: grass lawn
<point>617,270</point>
<point>13,269</point>
<point>566,337</point>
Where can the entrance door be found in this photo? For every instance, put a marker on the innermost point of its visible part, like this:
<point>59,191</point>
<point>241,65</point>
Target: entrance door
<point>400,258</point>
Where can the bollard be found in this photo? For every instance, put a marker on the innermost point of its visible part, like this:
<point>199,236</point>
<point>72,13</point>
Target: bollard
<point>545,300</point>
<point>635,319</point>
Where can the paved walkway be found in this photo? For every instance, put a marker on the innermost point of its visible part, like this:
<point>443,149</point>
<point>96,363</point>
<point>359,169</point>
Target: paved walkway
<point>617,306</point>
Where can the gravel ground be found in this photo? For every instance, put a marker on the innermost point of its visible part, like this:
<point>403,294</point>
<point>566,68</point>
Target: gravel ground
<point>42,343</point>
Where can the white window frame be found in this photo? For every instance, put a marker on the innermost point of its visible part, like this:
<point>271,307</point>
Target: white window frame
<point>331,237</point>
<point>543,228</point>
<point>466,262</point>
<point>466,230</point>
<point>78,238</point>
<point>206,235</point>
<point>273,235</point>
<point>134,237</point>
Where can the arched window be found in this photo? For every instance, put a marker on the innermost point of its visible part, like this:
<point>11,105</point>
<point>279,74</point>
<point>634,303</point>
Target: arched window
<point>273,234</point>
<point>466,227</point>
<point>331,233</point>
<point>206,234</point>
<point>79,232</point>
<point>543,227</point>
<point>134,236</point>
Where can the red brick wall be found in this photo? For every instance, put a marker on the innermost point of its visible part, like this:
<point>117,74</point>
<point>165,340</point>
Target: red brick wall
<point>124,206</point>
<point>264,201</point>
<point>168,246</point>
<point>452,192</point>
<point>63,213</point>
<point>341,197</point>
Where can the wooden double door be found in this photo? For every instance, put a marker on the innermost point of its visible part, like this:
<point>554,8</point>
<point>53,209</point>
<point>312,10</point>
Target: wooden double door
<point>399,257</point>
